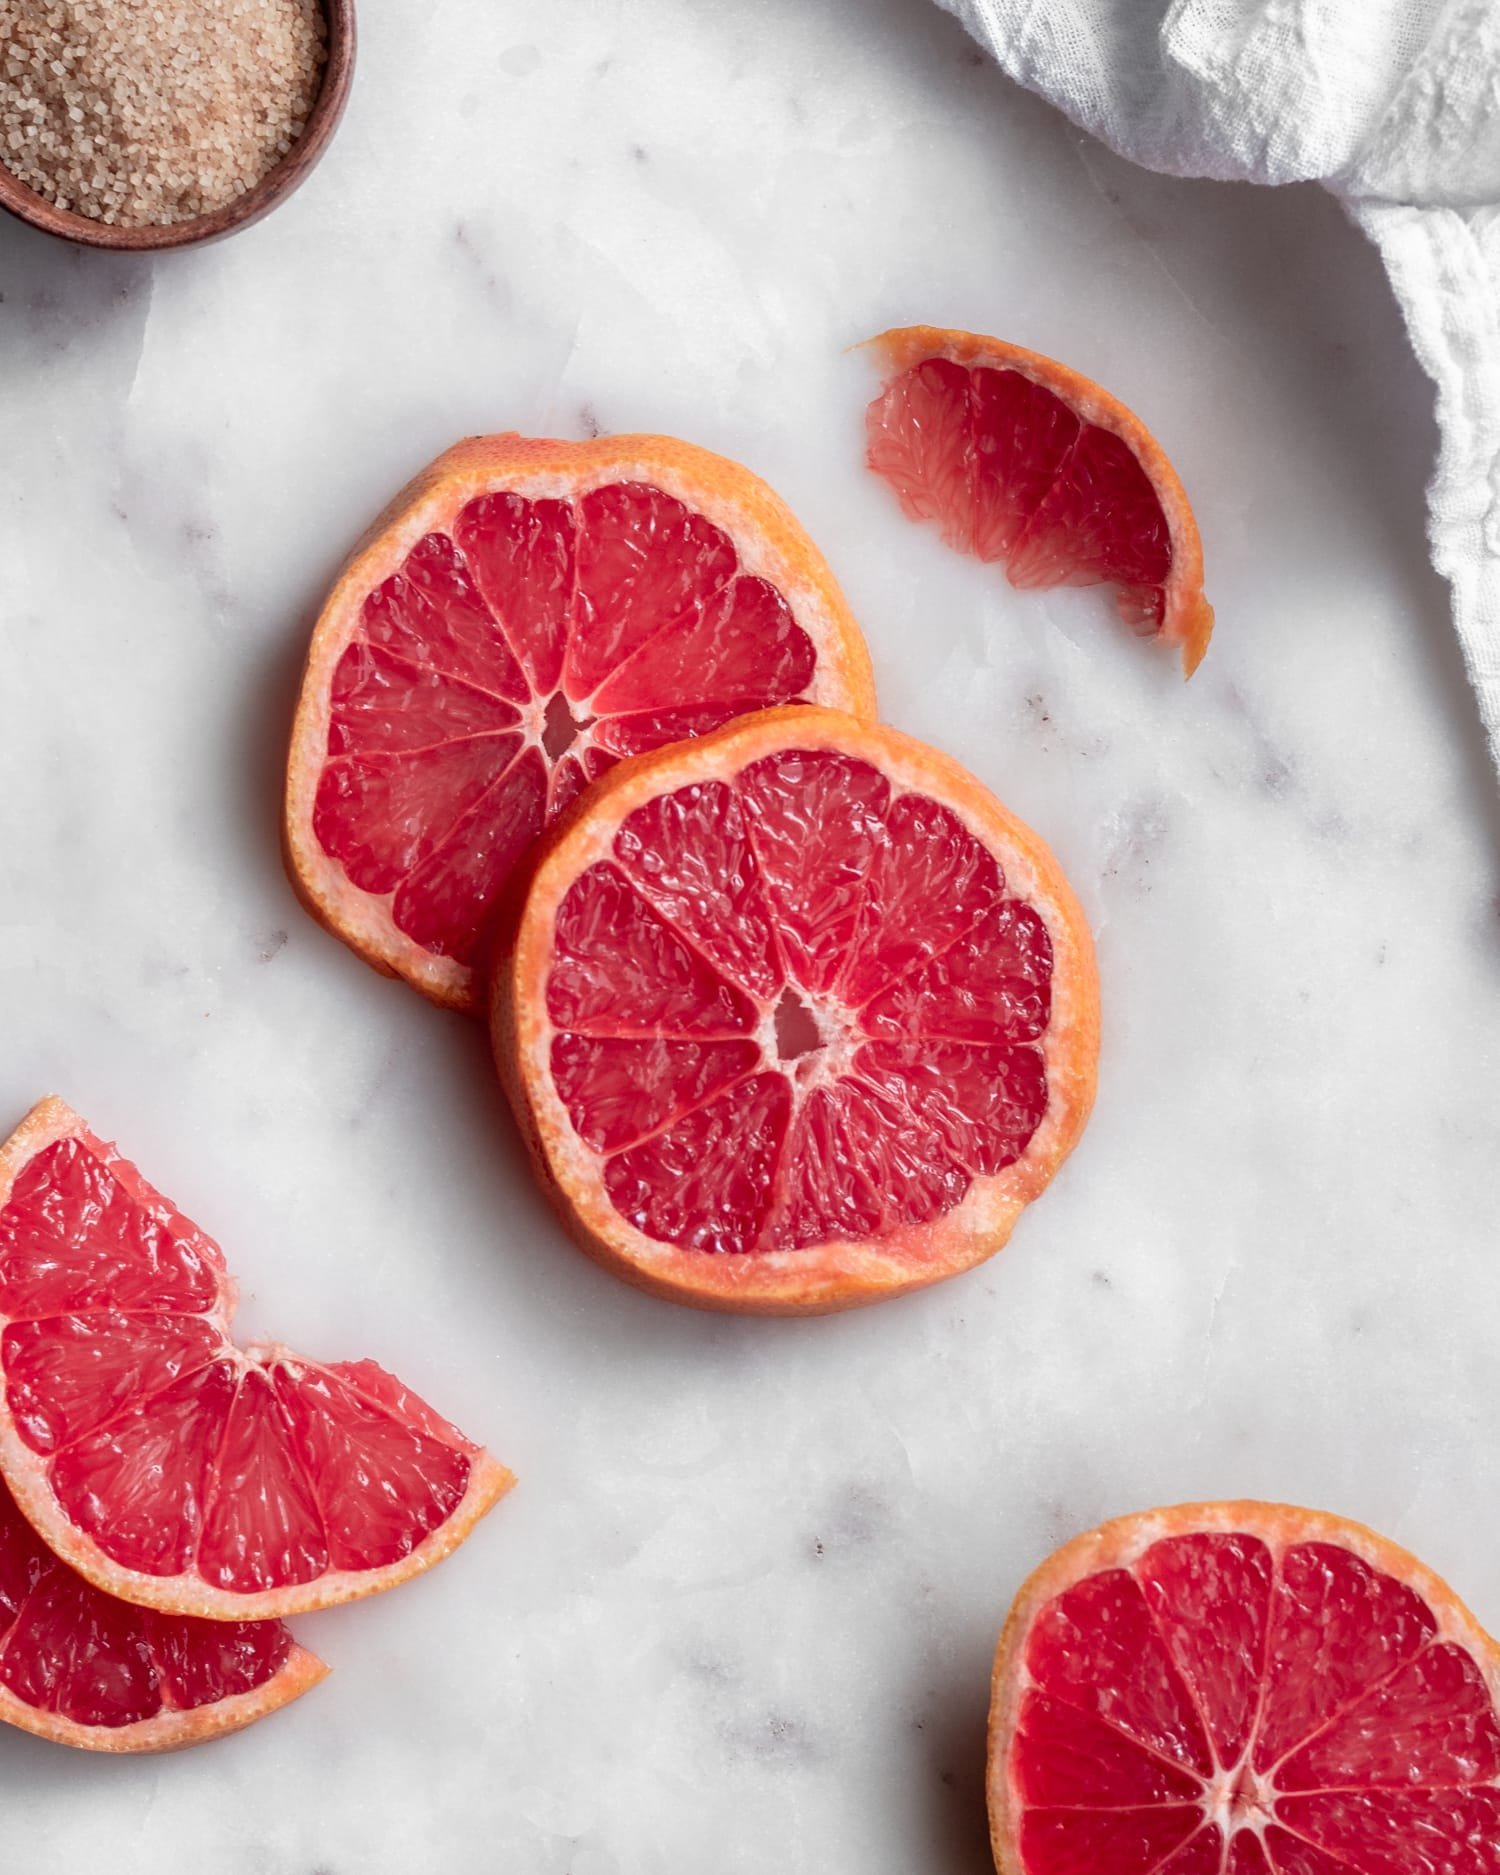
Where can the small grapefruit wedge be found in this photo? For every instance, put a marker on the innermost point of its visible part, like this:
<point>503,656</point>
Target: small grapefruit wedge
<point>79,1667</point>
<point>1021,460</point>
<point>165,1464</point>
<point>1243,1689</point>
<point>798,1016</point>
<point>523,614</point>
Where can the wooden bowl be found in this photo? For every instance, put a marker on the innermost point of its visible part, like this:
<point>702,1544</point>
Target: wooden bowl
<point>273,187</point>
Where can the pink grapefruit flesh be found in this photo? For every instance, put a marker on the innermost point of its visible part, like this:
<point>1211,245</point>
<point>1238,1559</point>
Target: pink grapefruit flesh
<point>1021,460</point>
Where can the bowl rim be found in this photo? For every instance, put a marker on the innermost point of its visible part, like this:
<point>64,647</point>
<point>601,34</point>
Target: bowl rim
<point>280,181</point>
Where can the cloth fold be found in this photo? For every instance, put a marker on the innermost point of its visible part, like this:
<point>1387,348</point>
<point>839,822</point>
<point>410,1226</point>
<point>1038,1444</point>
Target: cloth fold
<point>1394,105</point>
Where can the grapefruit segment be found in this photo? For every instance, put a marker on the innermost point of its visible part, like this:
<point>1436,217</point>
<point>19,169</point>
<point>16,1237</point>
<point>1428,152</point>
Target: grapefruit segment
<point>704,1181</point>
<point>526,613</point>
<point>1245,1689</point>
<point>169,1466</point>
<point>688,855</point>
<point>797,1016</point>
<point>815,818</point>
<point>623,970</point>
<point>1019,459</point>
<point>623,1090</point>
<point>1126,1842</point>
<point>982,1104</point>
<point>522,555</point>
<point>992,983</point>
<point>81,1668</point>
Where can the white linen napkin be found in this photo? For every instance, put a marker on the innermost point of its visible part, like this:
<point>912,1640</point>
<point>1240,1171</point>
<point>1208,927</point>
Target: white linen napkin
<point>1395,106</point>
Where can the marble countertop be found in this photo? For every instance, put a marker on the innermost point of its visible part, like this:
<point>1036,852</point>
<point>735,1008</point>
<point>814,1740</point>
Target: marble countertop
<point>738,1615</point>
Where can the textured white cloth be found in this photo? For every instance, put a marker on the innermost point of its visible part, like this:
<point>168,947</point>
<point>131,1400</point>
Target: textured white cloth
<point>1395,106</point>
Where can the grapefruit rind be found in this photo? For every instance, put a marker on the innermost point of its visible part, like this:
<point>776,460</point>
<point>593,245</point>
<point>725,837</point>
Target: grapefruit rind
<point>175,1730</point>
<point>1189,618</point>
<point>1121,1543</point>
<point>766,535</point>
<point>188,1594</point>
<point>837,1275</point>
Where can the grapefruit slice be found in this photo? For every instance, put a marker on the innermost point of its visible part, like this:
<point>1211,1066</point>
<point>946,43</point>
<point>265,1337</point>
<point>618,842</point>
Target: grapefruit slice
<point>1020,460</point>
<point>798,1016</point>
<point>81,1668</point>
<point>1243,1689</point>
<point>525,613</point>
<point>165,1464</point>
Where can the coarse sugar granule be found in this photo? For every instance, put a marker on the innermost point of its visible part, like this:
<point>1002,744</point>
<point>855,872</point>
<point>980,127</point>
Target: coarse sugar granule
<point>145,112</point>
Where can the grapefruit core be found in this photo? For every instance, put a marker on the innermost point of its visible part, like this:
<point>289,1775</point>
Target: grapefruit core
<point>525,613</point>
<point>798,1016</point>
<point>1243,1689</point>
<point>1019,459</point>
<point>169,1466</point>
<point>80,1668</point>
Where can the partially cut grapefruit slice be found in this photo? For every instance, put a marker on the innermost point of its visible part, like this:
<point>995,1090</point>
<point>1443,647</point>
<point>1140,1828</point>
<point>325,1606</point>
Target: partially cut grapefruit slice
<point>1019,459</point>
<point>162,1462</point>
<point>525,613</point>
<point>1243,1689</point>
<point>798,1016</point>
<point>82,1668</point>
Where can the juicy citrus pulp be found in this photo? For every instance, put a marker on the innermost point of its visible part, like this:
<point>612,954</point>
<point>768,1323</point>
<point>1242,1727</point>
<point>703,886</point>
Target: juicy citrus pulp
<point>1020,460</point>
<point>798,1015</point>
<point>526,614</point>
<point>166,1464</point>
<point>1243,1689</point>
<point>83,1668</point>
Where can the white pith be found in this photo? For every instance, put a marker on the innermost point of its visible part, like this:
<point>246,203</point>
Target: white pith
<point>828,1062</point>
<point>1240,1798</point>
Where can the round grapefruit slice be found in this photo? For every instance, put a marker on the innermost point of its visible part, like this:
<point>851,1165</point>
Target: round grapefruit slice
<point>1243,1689</point>
<point>82,1668</point>
<point>525,613</point>
<point>798,1016</point>
<point>165,1464</point>
<point>1021,460</point>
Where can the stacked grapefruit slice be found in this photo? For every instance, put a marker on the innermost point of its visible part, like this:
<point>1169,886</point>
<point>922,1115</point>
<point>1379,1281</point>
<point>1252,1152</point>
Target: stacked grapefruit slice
<point>1243,1689</point>
<point>798,1016</point>
<point>523,615</point>
<point>172,1469</point>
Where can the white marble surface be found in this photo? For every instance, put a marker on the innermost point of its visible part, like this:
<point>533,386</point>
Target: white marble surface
<point>737,1617</point>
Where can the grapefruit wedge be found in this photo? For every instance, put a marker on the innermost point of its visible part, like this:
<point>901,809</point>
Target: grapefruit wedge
<point>798,1016</point>
<point>525,613</point>
<point>1243,1689</point>
<point>165,1464</point>
<point>1019,459</point>
<point>79,1667</point>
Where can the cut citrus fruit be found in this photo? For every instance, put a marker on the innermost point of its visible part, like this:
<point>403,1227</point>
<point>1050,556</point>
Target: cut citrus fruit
<point>1243,1689</point>
<point>80,1667</point>
<point>1021,460</point>
<point>525,613</point>
<point>169,1466</point>
<point>798,1016</point>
